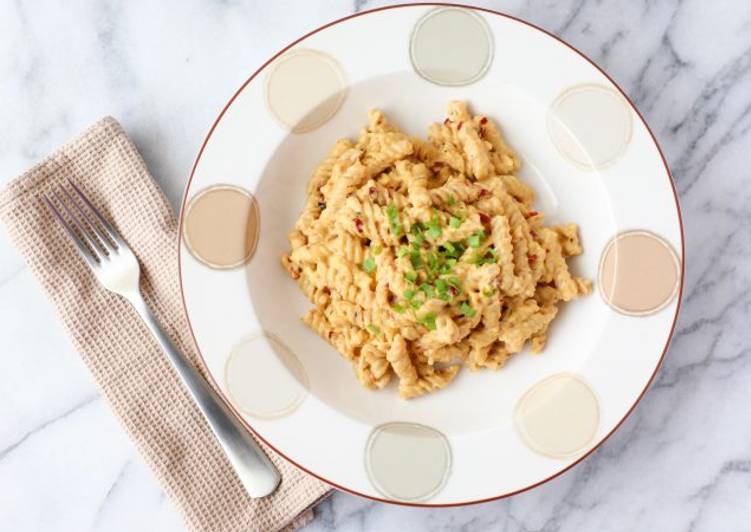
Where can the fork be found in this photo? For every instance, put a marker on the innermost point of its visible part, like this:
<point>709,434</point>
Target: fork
<point>116,267</point>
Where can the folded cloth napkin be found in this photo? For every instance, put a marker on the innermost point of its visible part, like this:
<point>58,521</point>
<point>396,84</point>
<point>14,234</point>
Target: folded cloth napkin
<point>133,374</point>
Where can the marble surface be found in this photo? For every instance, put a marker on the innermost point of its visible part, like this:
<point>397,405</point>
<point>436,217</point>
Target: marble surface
<point>682,461</point>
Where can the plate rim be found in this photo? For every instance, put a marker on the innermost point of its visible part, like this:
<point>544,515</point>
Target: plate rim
<point>679,295</point>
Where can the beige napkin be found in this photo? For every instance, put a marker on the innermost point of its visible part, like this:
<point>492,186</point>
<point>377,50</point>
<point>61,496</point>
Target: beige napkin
<point>132,373</point>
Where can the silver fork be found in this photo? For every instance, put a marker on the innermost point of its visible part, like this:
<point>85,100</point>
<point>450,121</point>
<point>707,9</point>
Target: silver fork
<point>116,267</point>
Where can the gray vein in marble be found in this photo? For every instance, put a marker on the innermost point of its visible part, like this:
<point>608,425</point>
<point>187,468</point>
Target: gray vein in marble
<point>359,5</point>
<point>703,116</point>
<point>108,496</point>
<point>12,275</point>
<point>571,17</point>
<point>78,406</point>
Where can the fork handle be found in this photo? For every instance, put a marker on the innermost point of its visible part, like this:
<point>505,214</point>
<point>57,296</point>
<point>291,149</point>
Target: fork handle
<point>257,474</point>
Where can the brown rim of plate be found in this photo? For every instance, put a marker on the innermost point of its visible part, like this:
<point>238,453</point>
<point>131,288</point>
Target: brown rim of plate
<point>183,234</point>
<point>646,385</point>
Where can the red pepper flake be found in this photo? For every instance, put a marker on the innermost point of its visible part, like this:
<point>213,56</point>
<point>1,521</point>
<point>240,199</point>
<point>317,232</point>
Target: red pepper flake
<point>436,167</point>
<point>484,192</point>
<point>533,233</point>
<point>531,214</point>
<point>532,259</point>
<point>481,133</point>
<point>358,224</point>
<point>484,218</point>
<point>373,193</point>
<point>458,127</point>
<point>453,291</point>
<point>484,120</point>
<point>446,122</point>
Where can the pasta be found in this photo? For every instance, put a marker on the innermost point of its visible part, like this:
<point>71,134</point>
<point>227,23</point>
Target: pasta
<point>425,256</point>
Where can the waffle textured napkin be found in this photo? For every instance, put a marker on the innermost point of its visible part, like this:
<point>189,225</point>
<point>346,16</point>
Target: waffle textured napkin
<point>133,374</point>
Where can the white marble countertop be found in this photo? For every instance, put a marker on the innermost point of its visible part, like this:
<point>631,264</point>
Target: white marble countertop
<point>682,461</point>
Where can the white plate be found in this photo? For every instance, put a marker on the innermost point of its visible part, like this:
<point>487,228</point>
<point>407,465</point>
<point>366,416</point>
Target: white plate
<point>593,161</point>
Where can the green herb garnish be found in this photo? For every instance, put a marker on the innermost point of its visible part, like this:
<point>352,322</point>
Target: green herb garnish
<point>426,289</point>
<point>455,222</point>
<point>434,227</point>
<point>411,276</point>
<point>428,320</point>
<point>377,250</point>
<point>467,309</point>
<point>475,240</point>
<point>369,265</point>
<point>393,216</point>
<point>489,257</point>
<point>374,329</point>
<point>399,309</point>
<point>450,200</point>
<point>403,251</point>
<point>442,286</point>
<point>415,258</point>
<point>409,294</point>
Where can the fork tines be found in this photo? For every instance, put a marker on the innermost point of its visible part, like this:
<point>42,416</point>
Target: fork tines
<point>90,232</point>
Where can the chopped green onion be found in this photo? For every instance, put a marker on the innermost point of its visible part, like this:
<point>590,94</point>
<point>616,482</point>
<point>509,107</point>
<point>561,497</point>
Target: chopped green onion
<point>467,310</point>
<point>369,265</point>
<point>377,250</point>
<point>442,286</point>
<point>455,282</point>
<point>399,309</point>
<point>374,329</point>
<point>415,304</point>
<point>455,222</point>
<point>432,260</point>
<point>393,216</point>
<point>402,251</point>
<point>476,239</point>
<point>415,258</point>
<point>488,292</point>
<point>444,297</point>
<point>434,227</point>
<point>450,200</point>
<point>411,276</point>
<point>428,320</point>
<point>450,248</point>
<point>489,257</point>
<point>427,290</point>
<point>409,294</point>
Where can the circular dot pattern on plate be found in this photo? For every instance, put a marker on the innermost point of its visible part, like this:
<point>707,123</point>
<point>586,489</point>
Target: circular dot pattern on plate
<point>264,378</point>
<point>221,226</point>
<point>304,89</point>
<point>451,46</point>
<point>590,125</point>
<point>639,273</point>
<point>558,416</point>
<point>407,461</point>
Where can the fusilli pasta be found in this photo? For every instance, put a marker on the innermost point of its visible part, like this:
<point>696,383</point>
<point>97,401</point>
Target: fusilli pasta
<point>423,256</point>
